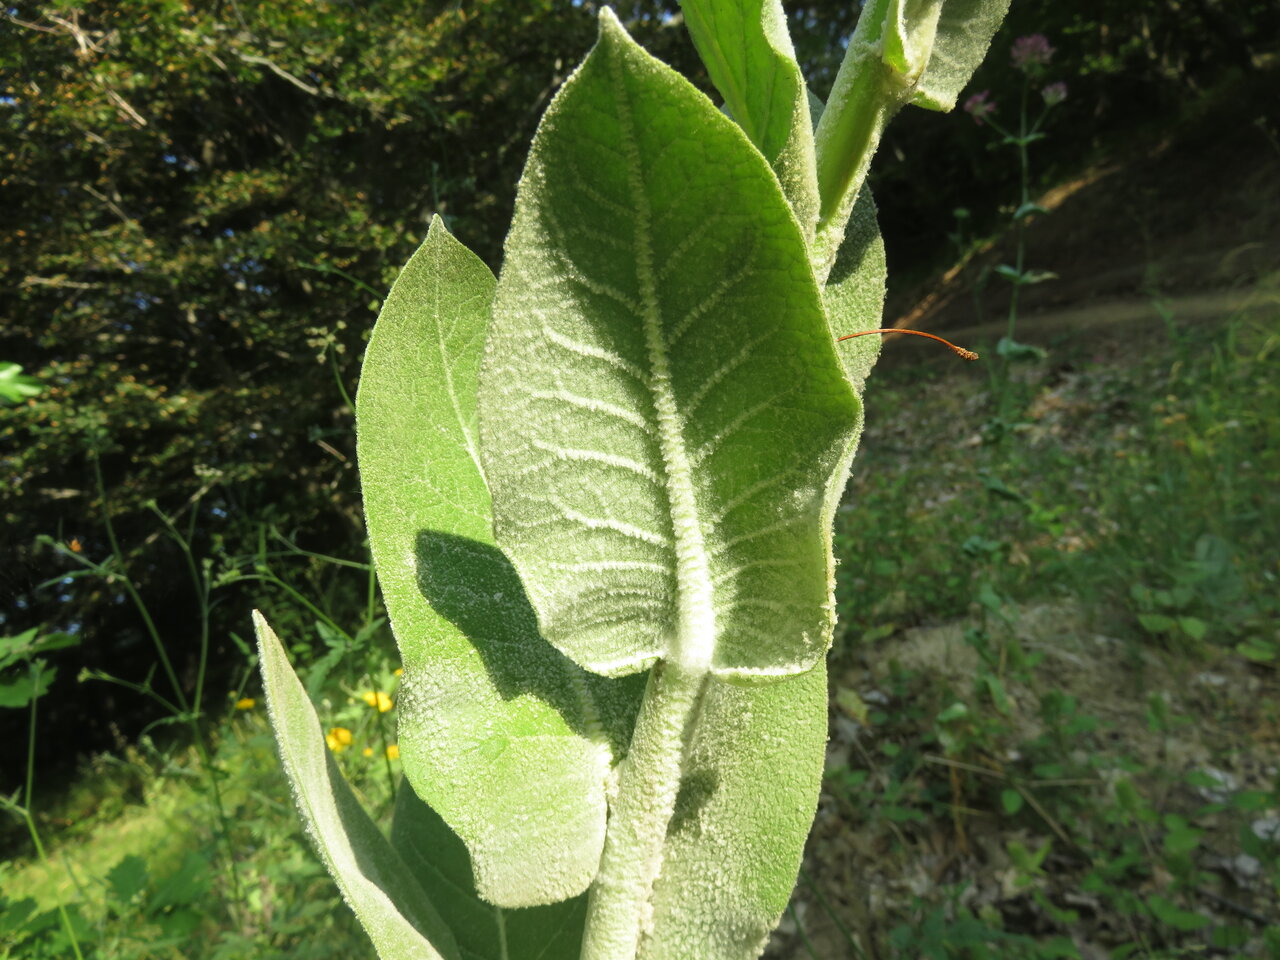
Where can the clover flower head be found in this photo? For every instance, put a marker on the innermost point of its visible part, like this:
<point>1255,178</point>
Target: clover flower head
<point>1031,53</point>
<point>980,105</point>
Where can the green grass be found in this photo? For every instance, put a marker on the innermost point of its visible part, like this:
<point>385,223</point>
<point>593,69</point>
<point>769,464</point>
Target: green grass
<point>134,852</point>
<point>1148,469</point>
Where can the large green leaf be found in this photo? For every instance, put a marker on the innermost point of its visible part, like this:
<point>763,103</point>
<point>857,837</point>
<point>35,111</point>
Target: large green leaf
<point>391,905</point>
<point>746,803</point>
<point>748,53</point>
<point>505,737</point>
<point>484,932</point>
<point>963,34</point>
<point>661,403</point>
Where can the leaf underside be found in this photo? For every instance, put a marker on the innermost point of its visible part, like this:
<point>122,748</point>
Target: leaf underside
<point>483,931</point>
<point>855,290</point>
<point>748,53</point>
<point>661,404</point>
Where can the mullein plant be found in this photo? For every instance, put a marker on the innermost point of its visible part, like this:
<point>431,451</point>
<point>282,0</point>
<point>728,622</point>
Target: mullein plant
<point>599,492</point>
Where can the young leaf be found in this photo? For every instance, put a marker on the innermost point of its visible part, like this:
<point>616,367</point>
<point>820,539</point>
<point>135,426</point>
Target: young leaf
<point>506,738</point>
<point>745,807</point>
<point>908,35</point>
<point>661,405</point>
<point>748,53</point>
<point>964,33</point>
<point>484,932</point>
<point>881,72</point>
<point>395,912</point>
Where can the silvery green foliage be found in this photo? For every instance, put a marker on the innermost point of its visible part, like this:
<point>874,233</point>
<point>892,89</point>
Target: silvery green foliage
<point>599,492</point>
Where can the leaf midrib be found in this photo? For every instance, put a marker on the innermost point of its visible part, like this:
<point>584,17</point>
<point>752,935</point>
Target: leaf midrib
<point>693,645</point>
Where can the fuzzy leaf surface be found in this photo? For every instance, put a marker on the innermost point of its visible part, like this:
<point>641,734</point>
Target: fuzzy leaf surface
<point>750,58</point>
<point>855,290</point>
<point>661,405</point>
<point>965,29</point>
<point>746,805</point>
<point>500,733</point>
<point>376,883</point>
<point>484,932</point>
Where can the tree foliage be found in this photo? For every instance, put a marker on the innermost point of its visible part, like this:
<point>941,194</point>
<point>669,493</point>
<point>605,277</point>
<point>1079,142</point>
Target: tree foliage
<point>204,204</point>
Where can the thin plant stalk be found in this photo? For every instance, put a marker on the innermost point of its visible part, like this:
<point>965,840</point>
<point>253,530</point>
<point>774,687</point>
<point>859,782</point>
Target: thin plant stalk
<point>190,708</point>
<point>1026,134</point>
<point>804,936</point>
<point>25,810</point>
<point>830,911</point>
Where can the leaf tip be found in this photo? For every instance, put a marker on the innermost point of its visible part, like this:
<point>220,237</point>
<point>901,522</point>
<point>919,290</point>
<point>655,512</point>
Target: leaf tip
<point>610,26</point>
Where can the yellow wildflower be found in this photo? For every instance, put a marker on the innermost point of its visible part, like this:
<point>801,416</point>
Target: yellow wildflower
<point>398,671</point>
<point>246,703</point>
<point>367,751</point>
<point>338,739</point>
<point>379,700</point>
<point>393,751</point>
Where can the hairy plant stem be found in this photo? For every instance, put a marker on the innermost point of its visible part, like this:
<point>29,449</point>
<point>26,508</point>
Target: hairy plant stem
<point>866,95</point>
<point>619,904</point>
<point>1022,139</point>
<point>1024,196</point>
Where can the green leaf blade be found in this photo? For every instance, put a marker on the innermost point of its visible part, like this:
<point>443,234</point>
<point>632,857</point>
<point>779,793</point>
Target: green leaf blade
<point>375,882</point>
<point>749,55</point>
<point>661,404</point>
<point>964,32</point>
<point>745,808</point>
<point>855,290</point>
<point>506,738</point>
<point>484,931</point>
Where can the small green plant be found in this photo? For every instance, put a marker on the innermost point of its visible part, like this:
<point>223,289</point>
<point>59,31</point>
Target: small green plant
<point>16,386</point>
<point>600,492</point>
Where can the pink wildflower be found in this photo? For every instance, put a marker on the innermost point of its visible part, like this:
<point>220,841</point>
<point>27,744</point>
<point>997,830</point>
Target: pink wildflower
<point>1031,53</point>
<point>979,105</point>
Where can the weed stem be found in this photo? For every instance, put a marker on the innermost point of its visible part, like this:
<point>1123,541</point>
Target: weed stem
<point>959,351</point>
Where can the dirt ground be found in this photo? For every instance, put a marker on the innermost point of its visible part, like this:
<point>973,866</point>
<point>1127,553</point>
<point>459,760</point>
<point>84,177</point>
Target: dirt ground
<point>1191,222</point>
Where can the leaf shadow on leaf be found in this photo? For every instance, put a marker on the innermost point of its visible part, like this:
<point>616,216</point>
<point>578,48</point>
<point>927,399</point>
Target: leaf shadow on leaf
<point>441,862</point>
<point>464,580</point>
<point>851,254</point>
<point>697,787</point>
